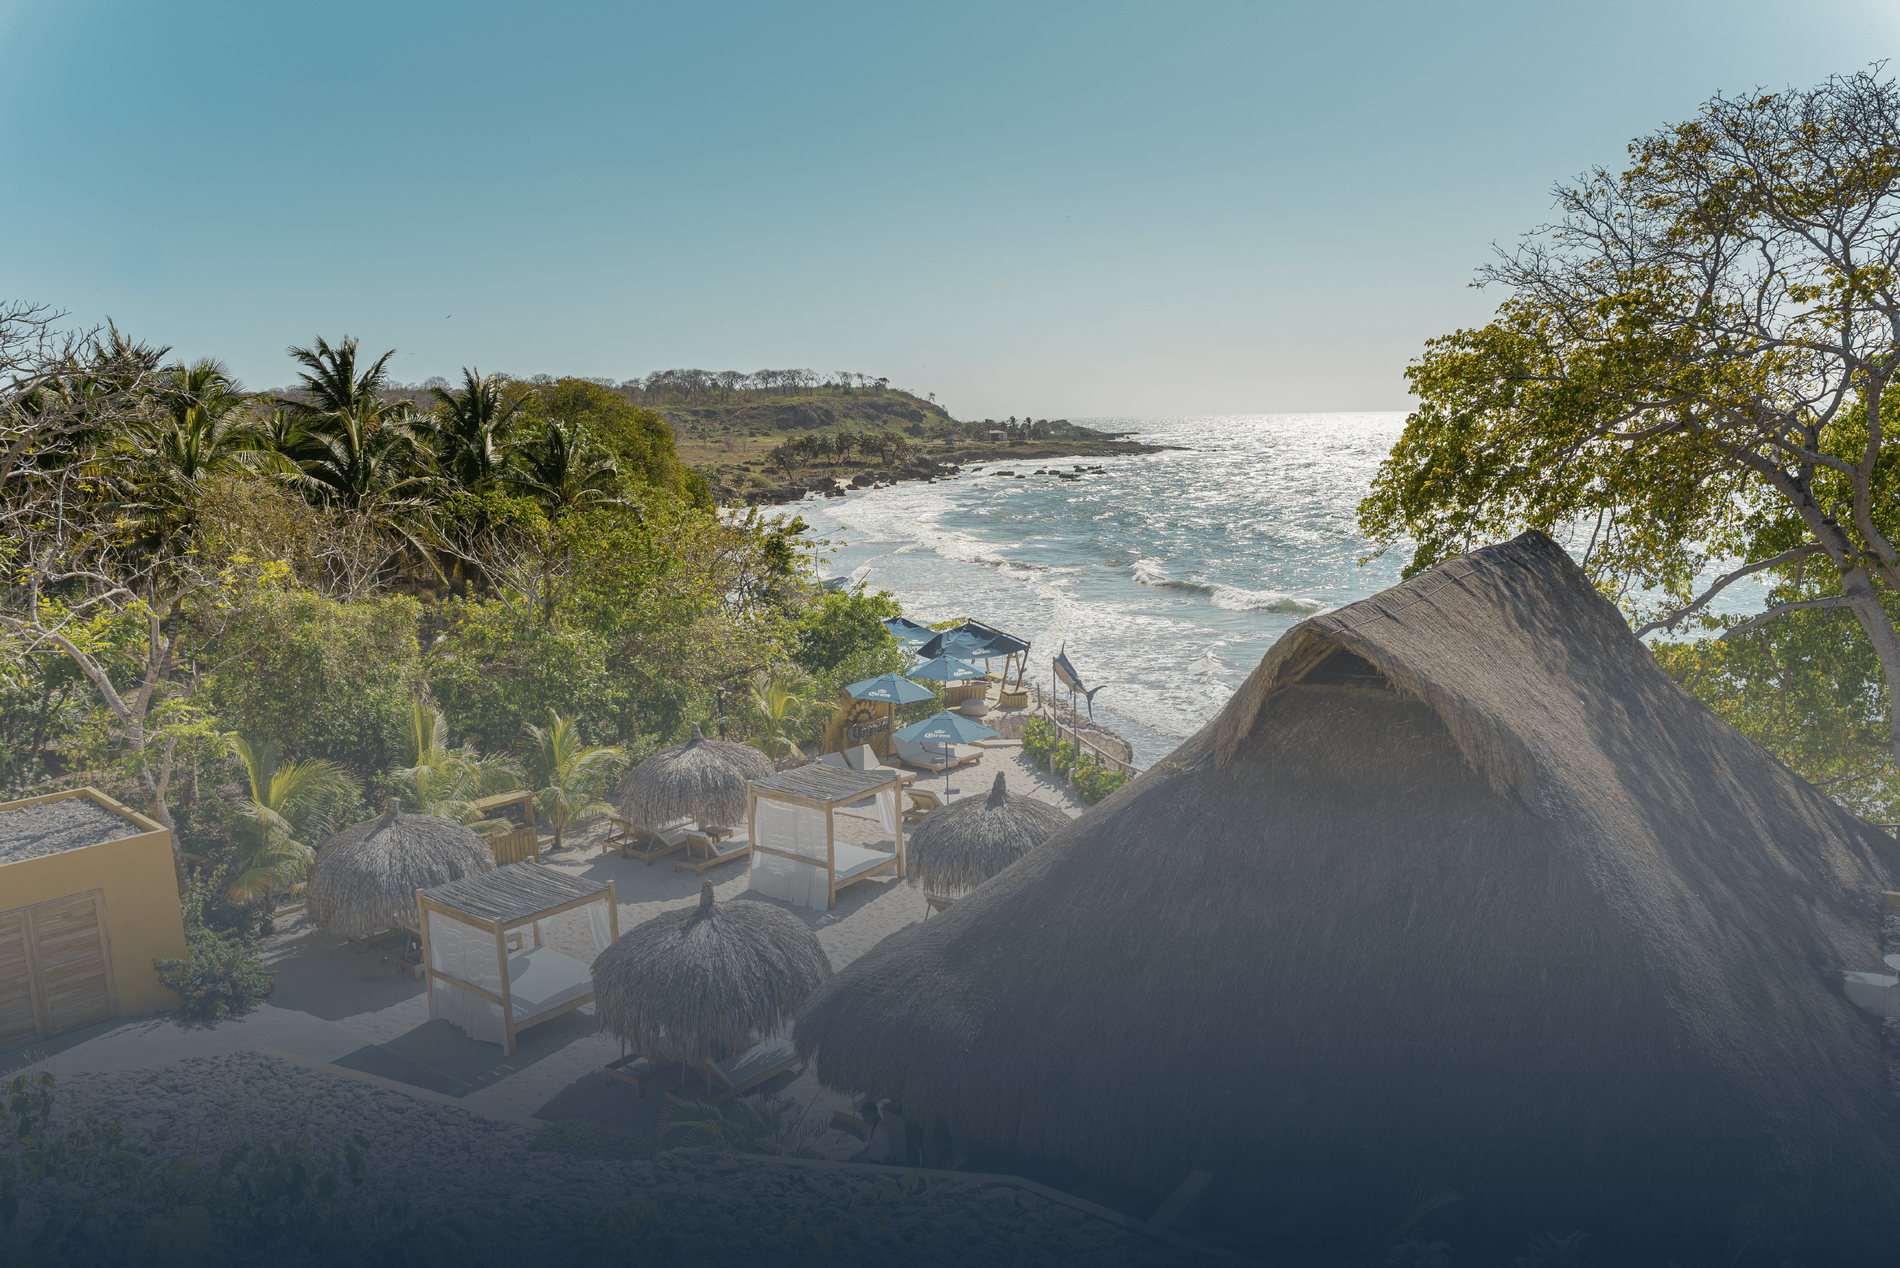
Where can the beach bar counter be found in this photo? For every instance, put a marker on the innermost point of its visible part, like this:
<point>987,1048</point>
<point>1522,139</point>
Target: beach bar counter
<point>88,899</point>
<point>796,854</point>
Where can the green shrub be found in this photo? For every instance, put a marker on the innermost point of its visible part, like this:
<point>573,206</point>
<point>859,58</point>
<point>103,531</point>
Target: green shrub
<point>1039,737</point>
<point>1094,781</point>
<point>220,975</point>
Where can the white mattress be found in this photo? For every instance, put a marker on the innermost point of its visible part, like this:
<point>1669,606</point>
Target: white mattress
<point>855,860</point>
<point>541,978</point>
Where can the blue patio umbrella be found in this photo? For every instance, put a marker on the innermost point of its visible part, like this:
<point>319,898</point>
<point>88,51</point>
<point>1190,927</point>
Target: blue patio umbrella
<point>945,669</point>
<point>891,689</point>
<point>945,728</point>
<point>958,643</point>
<point>908,631</point>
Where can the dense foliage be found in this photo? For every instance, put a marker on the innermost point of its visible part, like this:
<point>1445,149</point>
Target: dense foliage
<point>220,975</point>
<point>219,600</point>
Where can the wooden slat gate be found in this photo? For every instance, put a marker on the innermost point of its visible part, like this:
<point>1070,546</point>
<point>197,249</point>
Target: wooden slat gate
<point>55,969</point>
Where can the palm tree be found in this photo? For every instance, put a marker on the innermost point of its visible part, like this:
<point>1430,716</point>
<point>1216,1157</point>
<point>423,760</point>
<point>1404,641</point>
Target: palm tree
<point>357,447</point>
<point>289,803</point>
<point>444,781</point>
<point>471,428</point>
<point>565,469</point>
<point>571,774</point>
<point>202,426</point>
<point>781,706</point>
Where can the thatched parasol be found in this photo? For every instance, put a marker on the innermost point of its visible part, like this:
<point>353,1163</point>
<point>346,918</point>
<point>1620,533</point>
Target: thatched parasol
<point>711,977</point>
<point>1458,884</point>
<point>703,780</point>
<point>366,877</point>
<point>959,846</point>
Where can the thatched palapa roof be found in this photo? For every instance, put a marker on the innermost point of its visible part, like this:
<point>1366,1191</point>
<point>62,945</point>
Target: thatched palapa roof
<point>366,877</point>
<point>710,977</point>
<point>959,846</point>
<point>1458,884</point>
<point>703,780</point>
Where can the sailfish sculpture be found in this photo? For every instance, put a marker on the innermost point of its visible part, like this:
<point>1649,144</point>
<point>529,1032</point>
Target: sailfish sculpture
<point>1066,675</point>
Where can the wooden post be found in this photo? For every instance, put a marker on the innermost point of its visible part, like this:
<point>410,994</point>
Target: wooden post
<point>831,861</point>
<point>897,803</point>
<point>428,963</point>
<point>507,994</point>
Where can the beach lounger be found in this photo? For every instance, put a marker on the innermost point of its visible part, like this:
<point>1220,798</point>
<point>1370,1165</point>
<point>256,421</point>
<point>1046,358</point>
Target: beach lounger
<point>637,1069</point>
<point>917,755</point>
<point>922,802</point>
<point>937,903</point>
<point>644,843</point>
<point>727,1079</point>
<point>864,757</point>
<point>703,852</point>
<point>835,759</point>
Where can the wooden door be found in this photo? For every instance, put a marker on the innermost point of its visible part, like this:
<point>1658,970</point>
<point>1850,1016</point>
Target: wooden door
<point>55,969</point>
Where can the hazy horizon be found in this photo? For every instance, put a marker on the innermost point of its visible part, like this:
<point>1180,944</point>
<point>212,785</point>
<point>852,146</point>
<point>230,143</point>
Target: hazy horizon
<point>1060,210</point>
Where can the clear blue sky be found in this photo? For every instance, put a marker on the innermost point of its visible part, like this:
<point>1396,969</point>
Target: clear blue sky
<point>1066,210</point>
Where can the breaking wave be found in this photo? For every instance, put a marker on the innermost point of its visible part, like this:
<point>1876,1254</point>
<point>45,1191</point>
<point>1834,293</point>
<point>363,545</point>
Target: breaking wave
<point>1149,572</point>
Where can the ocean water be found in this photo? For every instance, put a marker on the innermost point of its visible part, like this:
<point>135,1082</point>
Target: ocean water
<point>1166,577</point>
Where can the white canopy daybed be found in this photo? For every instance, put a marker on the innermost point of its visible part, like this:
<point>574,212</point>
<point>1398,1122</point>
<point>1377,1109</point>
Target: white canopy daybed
<point>512,947</point>
<point>796,854</point>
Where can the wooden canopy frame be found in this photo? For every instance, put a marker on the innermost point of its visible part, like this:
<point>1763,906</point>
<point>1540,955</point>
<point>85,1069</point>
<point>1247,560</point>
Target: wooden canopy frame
<point>522,894</point>
<point>817,786</point>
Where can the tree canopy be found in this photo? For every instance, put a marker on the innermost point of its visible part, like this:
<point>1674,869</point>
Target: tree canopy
<point>1688,371</point>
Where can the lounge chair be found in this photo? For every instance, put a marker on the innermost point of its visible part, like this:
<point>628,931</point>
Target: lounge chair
<point>643,843</point>
<point>937,903</point>
<point>637,1069</point>
<point>703,852</point>
<point>835,759</point>
<point>727,1079</point>
<point>922,802</point>
<point>864,757</point>
<point>934,757</point>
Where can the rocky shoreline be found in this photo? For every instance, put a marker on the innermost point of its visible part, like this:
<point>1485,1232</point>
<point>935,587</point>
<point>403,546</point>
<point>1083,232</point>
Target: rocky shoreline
<point>1024,458</point>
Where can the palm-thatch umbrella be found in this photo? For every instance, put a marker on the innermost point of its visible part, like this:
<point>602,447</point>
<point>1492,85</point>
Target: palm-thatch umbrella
<point>366,877</point>
<point>1458,884</point>
<point>959,846</point>
<point>702,780</point>
<point>709,977</point>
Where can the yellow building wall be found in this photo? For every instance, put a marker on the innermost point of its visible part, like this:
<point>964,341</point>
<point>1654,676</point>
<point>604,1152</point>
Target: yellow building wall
<point>143,919</point>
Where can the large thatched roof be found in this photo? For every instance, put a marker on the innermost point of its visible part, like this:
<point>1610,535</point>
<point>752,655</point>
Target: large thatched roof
<point>1458,884</point>
<point>710,977</point>
<point>366,877</point>
<point>959,846</point>
<point>702,779</point>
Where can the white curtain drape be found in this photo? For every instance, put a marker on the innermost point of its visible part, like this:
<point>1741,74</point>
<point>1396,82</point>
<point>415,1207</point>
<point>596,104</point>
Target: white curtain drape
<point>468,953</point>
<point>887,810</point>
<point>798,883</point>
<point>795,829</point>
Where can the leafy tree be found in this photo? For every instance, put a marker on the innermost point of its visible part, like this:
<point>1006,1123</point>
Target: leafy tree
<point>639,440</point>
<point>498,665</point>
<point>1691,364</point>
<point>842,624</point>
<point>289,806</point>
<point>312,677</point>
<point>571,774</point>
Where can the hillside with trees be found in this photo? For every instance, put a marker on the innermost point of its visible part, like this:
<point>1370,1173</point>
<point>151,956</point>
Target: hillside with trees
<point>253,615</point>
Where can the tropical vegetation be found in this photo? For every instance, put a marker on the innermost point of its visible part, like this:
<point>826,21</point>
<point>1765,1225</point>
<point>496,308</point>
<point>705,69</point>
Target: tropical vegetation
<point>255,614</point>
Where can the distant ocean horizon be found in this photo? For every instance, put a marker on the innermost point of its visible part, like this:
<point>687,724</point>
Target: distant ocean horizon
<point>1166,577</point>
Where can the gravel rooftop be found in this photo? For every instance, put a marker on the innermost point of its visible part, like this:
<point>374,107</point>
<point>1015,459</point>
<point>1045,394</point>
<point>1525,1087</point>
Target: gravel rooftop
<point>53,827</point>
<point>523,1205</point>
